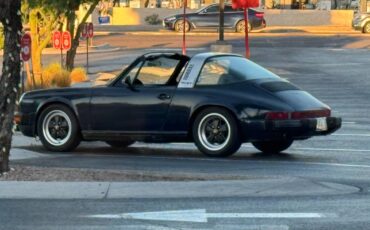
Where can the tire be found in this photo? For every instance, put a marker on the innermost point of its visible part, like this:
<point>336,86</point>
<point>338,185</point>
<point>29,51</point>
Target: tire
<point>179,26</point>
<point>215,132</point>
<point>272,146</point>
<point>240,27</point>
<point>120,144</point>
<point>58,128</point>
<point>366,28</point>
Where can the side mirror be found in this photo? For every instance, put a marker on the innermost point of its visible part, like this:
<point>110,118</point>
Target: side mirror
<point>128,82</point>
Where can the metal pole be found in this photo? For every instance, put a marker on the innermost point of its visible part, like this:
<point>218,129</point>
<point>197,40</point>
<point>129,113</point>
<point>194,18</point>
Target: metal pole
<point>184,30</point>
<point>247,51</point>
<point>221,20</point>
<point>61,56</point>
<point>87,54</point>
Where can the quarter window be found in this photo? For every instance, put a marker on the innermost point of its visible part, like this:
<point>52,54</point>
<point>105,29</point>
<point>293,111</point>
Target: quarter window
<point>229,69</point>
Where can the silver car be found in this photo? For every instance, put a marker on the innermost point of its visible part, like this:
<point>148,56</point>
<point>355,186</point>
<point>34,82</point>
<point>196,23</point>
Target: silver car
<point>361,22</point>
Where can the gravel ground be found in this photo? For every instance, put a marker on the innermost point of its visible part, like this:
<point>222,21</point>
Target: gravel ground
<point>31,173</point>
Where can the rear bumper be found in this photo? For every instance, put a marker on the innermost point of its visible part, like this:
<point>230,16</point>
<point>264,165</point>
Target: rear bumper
<point>260,130</point>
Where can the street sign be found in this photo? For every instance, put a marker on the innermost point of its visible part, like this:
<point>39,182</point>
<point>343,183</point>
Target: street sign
<point>90,30</point>
<point>245,3</point>
<point>84,31</point>
<point>66,37</point>
<point>57,40</point>
<point>26,47</point>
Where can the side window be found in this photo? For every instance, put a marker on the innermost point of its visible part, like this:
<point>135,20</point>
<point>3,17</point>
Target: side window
<point>213,9</point>
<point>228,8</point>
<point>213,72</point>
<point>156,71</point>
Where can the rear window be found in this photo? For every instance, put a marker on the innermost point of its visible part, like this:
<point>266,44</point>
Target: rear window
<point>229,69</point>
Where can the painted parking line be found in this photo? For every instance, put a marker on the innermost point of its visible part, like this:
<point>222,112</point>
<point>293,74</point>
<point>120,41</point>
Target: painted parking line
<point>351,134</point>
<point>202,216</point>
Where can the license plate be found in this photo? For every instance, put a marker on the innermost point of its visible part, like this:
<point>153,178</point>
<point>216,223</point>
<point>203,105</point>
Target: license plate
<point>321,124</point>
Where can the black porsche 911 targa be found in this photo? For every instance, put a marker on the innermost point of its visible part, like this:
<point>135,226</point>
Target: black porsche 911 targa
<point>218,101</point>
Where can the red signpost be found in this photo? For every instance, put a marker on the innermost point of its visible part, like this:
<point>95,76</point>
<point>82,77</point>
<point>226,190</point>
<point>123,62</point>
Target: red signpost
<point>184,29</point>
<point>26,47</point>
<point>245,4</point>
<point>26,42</point>
<point>87,32</point>
<point>66,38</point>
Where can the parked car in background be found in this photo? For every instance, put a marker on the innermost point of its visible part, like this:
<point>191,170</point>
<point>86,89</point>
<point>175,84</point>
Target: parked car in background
<point>208,17</point>
<point>218,101</point>
<point>361,22</point>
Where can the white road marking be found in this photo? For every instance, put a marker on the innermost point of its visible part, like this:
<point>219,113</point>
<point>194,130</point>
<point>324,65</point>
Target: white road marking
<point>201,215</point>
<point>351,134</point>
<point>349,122</point>
<point>334,150</point>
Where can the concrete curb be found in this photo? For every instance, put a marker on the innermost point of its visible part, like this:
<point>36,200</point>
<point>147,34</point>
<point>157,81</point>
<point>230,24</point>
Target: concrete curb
<point>126,190</point>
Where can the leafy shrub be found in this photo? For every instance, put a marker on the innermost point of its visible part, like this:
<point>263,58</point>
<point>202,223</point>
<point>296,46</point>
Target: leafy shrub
<point>78,75</point>
<point>62,79</point>
<point>1,39</point>
<point>153,19</point>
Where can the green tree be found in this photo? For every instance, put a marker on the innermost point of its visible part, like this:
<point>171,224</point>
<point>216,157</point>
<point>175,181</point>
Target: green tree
<point>10,18</point>
<point>75,31</point>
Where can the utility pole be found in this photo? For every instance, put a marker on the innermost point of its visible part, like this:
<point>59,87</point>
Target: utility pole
<point>222,21</point>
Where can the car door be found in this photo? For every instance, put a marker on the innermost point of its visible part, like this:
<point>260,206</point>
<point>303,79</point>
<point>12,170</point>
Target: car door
<point>139,102</point>
<point>209,17</point>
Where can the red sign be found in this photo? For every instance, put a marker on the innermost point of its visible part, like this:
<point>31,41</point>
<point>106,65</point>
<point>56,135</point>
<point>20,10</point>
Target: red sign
<point>84,31</point>
<point>26,47</point>
<point>66,38</point>
<point>57,43</point>
<point>90,30</point>
<point>245,4</point>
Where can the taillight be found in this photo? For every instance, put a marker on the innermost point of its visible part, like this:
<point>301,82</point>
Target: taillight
<point>298,115</point>
<point>311,114</point>
<point>277,116</point>
<point>259,15</point>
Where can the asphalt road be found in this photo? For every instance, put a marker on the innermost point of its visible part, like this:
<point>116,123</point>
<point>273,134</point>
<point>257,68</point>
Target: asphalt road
<point>331,68</point>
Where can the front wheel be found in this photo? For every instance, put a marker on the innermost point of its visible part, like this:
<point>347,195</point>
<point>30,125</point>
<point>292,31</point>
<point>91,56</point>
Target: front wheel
<point>215,133</point>
<point>179,26</point>
<point>272,146</point>
<point>366,29</point>
<point>240,27</point>
<point>58,128</point>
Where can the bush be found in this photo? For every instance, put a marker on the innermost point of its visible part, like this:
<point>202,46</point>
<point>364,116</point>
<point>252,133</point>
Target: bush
<point>53,76</point>
<point>153,19</point>
<point>1,39</point>
<point>78,75</point>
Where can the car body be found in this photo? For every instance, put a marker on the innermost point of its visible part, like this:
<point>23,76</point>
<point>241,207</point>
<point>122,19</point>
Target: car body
<point>218,101</point>
<point>361,22</point>
<point>208,17</point>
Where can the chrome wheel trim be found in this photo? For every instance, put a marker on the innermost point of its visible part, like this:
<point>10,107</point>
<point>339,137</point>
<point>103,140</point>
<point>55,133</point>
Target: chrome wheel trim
<point>59,122</point>
<point>180,26</point>
<point>367,28</point>
<point>204,130</point>
<point>241,27</point>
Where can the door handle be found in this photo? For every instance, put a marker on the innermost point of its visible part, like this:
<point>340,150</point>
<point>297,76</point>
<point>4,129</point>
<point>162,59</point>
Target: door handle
<point>164,96</point>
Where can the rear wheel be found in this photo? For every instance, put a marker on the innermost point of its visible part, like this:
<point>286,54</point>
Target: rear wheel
<point>366,28</point>
<point>240,27</point>
<point>215,133</point>
<point>58,128</point>
<point>179,26</point>
<point>120,144</point>
<point>272,146</point>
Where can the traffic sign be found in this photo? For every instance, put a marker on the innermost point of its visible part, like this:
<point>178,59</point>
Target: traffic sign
<point>66,38</point>
<point>84,31</point>
<point>90,30</point>
<point>26,47</point>
<point>57,40</point>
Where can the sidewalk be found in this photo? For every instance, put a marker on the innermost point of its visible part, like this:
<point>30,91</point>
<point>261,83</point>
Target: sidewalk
<point>158,30</point>
<point>124,190</point>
